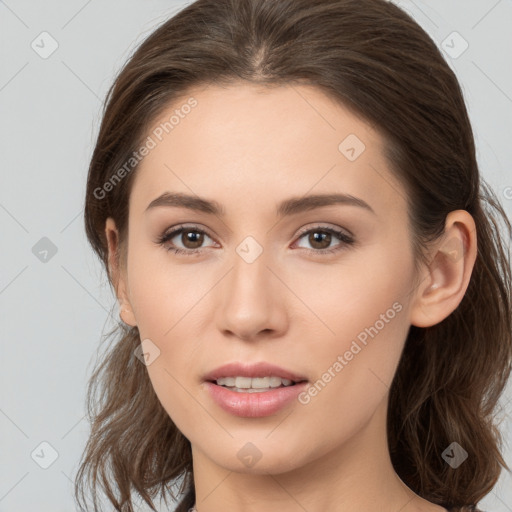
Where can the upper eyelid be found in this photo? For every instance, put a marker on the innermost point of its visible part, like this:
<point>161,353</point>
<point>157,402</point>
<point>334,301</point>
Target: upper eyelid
<point>321,226</point>
<point>177,229</point>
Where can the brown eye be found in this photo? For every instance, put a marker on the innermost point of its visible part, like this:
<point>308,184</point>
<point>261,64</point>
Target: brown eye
<point>192,237</point>
<point>320,239</point>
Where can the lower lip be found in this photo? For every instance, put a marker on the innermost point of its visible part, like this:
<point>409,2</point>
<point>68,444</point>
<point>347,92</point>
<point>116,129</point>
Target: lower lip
<point>254,405</point>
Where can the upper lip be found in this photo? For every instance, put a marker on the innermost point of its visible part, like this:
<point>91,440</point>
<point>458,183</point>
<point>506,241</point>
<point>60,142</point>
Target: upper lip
<point>261,369</point>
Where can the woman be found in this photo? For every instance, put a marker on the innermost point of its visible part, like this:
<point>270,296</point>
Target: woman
<point>316,304</point>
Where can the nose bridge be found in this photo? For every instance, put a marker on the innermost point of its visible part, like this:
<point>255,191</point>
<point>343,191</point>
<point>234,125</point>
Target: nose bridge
<point>250,277</point>
<point>251,301</point>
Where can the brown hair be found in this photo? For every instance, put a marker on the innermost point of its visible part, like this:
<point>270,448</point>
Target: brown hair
<point>376,60</point>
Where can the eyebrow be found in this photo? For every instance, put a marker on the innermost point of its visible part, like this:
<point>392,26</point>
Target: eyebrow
<point>288,207</point>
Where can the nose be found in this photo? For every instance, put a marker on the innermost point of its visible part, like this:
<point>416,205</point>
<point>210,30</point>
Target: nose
<point>252,300</point>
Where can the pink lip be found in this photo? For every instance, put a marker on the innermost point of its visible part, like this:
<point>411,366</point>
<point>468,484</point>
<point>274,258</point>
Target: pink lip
<point>261,369</point>
<point>254,405</point>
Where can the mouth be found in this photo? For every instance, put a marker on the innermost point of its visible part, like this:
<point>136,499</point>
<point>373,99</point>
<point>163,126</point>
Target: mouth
<point>253,390</point>
<point>241,384</point>
<point>254,397</point>
<point>260,375</point>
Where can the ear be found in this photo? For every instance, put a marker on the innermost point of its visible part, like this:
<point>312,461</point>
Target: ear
<point>447,277</point>
<point>118,273</point>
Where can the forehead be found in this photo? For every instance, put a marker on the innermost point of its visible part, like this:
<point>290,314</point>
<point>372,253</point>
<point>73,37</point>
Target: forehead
<point>228,141</point>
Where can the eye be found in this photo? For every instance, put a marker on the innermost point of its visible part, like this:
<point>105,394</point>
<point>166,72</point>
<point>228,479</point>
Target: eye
<point>321,237</point>
<point>193,237</point>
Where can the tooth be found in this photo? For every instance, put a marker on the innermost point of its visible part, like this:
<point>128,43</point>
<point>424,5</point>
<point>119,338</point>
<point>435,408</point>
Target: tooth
<point>253,383</point>
<point>274,382</point>
<point>243,382</point>
<point>258,383</point>
<point>226,381</point>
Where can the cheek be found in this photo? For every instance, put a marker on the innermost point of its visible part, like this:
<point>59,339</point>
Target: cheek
<point>365,294</point>
<point>354,369</point>
<point>166,302</point>
<point>364,324</point>
<point>162,294</point>
<point>169,381</point>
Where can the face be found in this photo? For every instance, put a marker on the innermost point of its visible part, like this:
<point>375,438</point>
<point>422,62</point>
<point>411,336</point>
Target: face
<point>321,289</point>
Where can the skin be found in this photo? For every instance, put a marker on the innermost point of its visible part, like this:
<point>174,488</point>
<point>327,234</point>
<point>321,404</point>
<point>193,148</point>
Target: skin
<point>250,148</point>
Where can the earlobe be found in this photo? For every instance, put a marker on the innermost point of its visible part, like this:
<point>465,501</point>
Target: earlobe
<point>448,275</point>
<point>116,275</point>
<point>126,315</point>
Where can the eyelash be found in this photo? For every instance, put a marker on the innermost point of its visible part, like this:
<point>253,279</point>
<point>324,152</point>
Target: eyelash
<point>345,239</point>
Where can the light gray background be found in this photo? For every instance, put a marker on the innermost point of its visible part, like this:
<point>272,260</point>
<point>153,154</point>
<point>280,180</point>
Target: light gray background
<point>53,312</point>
